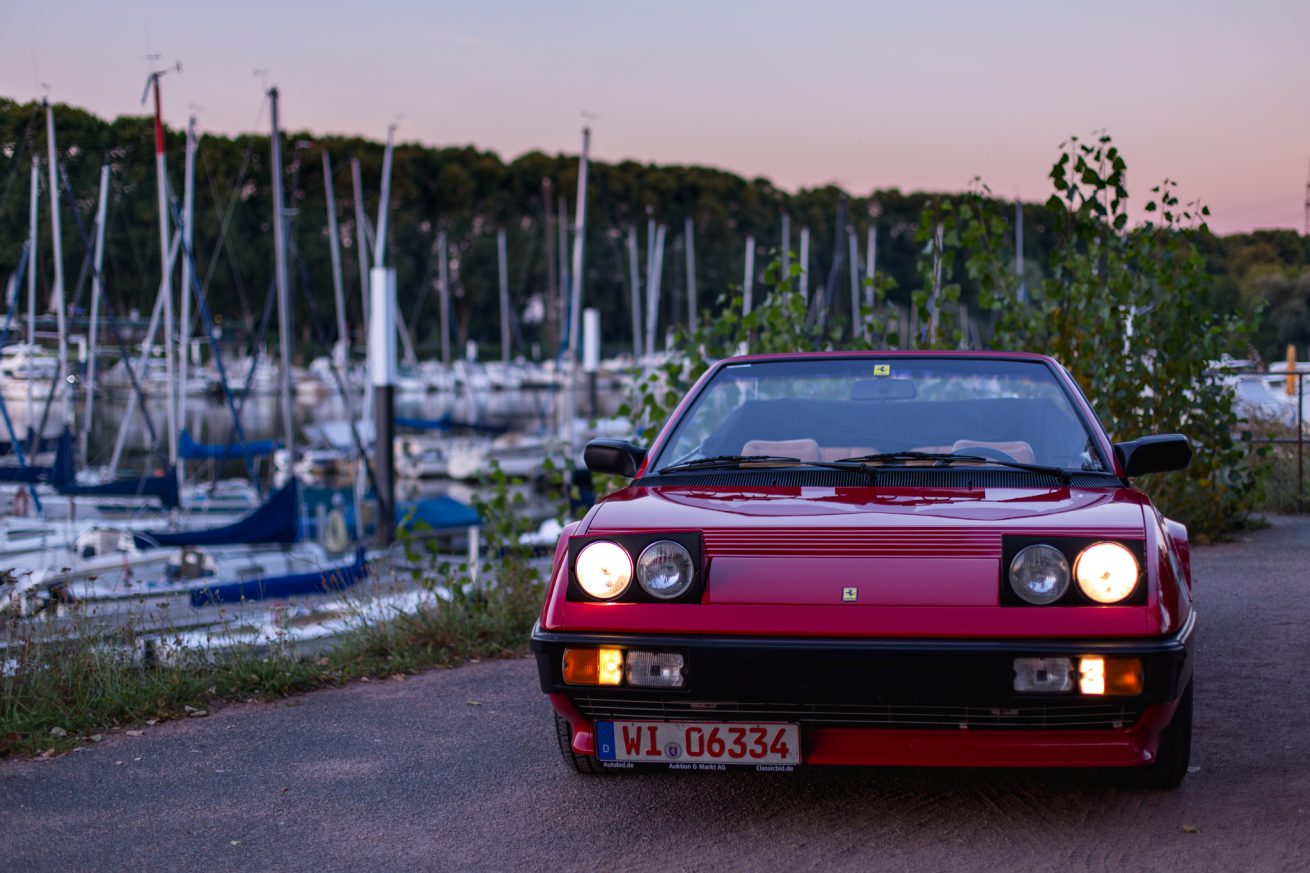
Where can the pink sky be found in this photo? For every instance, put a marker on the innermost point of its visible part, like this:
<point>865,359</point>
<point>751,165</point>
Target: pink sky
<point>868,95</point>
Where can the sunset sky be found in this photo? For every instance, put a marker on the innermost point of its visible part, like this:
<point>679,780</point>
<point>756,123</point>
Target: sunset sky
<point>921,96</point>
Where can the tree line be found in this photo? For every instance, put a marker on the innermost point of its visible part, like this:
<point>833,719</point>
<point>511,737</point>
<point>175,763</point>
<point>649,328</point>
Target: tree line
<point>471,194</point>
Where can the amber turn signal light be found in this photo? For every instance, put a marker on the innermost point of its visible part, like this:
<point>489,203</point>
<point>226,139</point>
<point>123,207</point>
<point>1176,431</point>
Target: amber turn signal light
<point>1099,675</point>
<point>593,666</point>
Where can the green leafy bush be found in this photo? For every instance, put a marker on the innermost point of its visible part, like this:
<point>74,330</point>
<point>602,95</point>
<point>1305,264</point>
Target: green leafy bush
<point>1131,312</point>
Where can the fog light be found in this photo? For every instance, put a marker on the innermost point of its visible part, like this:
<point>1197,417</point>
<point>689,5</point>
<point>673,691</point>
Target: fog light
<point>593,666</point>
<point>1043,675</point>
<point>655,669</point>
<point>1110,676</point>
<point>1091,675</point>
<point>610,666</point>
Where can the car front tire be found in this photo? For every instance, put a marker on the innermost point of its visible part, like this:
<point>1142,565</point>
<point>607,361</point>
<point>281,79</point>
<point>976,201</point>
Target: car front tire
<point>1172,757</point>
<point>588,765</point>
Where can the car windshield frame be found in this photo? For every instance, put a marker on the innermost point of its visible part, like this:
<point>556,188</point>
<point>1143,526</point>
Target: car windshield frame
<point>660,458</point>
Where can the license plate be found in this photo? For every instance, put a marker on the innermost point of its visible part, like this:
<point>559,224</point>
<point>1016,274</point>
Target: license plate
<point>696,744</point>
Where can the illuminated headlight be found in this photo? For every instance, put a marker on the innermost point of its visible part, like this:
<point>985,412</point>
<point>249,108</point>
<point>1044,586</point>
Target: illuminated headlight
<point>655,669</point>
<point>1039,575</point>
<point>665,569</point>
<point>604,570</point>
<point>1106,572</point>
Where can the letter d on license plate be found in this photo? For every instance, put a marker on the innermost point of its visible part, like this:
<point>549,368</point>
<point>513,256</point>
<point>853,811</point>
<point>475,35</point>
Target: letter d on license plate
<point>676,742</point>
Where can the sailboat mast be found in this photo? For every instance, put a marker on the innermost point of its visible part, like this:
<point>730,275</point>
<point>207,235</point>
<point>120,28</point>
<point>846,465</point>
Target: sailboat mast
<point>1018,249</point>
<point>33,217</point>
<point>334,248</point>
<point>166,271</point>
<point>689,231</point>
<point>653,289</point>
<point>857,320</point>
<point>384,202</point>
<point>805,264</point>
<point>361,237</point>
<point>97,291</point>
<point>870,275</point>
<point>634,281</point>
<point>562,244</point>
<point>575,295</point>
<point>57,247</point>
<point>283,286</point>
<point>502,263</point>
<point>188,257</point>
<point>786,247</point>
<point>443,276</point>
<point>552,268</point>
<point>748,278</point>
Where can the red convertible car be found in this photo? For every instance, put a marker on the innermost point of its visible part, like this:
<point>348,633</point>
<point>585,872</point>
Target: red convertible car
<point>880,558</point>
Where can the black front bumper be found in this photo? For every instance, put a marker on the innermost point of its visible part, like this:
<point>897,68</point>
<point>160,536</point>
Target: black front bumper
<point>857,682</point>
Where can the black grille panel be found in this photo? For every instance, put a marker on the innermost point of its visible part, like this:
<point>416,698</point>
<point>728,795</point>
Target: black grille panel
<point>1072,715</point>
<point>902,478</point>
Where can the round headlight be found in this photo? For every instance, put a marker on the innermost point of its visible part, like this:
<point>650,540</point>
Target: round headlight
<point>665,570</point>
<point>1040,574</point>
<point>1106,572</point>
<point>604,569</point>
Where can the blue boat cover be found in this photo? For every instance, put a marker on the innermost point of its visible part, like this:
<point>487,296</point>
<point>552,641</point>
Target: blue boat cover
<point>162,487</point>
<point>442,423</point>
<point>323,581</point>
<point>437,513</point>
<point>191,450</point>
<point>447,423</point>
<point>276,521</point>
<point>59,473</point>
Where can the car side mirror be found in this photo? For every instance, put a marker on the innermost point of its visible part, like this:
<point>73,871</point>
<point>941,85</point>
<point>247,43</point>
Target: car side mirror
<point>618,457</point>
<point>1154,454</point>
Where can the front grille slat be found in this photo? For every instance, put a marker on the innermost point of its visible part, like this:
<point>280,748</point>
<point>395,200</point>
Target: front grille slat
<point>1055,715</point>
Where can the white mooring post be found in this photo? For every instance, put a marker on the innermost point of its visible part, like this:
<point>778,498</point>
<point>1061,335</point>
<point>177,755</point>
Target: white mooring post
<point>382,376</point>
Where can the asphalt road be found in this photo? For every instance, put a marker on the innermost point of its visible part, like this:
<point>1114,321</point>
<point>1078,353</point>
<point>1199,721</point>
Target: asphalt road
<point>458,770</point>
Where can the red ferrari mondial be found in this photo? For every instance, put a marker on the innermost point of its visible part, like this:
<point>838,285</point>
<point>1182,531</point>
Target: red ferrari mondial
<point>916,558</point>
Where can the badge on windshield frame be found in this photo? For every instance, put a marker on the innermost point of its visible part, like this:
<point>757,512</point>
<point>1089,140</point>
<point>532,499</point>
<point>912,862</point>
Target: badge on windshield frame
<point>849,595</point>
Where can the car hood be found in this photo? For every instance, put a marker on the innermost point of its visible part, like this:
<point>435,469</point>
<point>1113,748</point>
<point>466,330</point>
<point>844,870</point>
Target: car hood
<point>1114,510</point>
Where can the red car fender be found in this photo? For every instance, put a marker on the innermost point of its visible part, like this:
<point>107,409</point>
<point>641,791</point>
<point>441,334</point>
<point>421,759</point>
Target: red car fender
<point>561,554</point>
<point>1177,532</point>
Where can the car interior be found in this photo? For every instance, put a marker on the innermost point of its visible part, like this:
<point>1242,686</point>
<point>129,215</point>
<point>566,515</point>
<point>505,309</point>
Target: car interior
<point>1020,429</point>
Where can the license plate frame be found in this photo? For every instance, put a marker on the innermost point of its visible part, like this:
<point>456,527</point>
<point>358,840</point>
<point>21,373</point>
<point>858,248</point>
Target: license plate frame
<point>691,745</point>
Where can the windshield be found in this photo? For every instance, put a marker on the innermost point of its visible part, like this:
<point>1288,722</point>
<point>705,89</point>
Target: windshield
<point>830,409</point>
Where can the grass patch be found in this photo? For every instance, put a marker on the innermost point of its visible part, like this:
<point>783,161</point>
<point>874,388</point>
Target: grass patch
<point>61,692</point>
<point>58,693</point>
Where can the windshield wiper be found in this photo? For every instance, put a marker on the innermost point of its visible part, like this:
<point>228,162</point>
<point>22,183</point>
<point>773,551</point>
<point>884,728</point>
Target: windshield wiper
<point>728,462</point>
<point>943,458</point>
